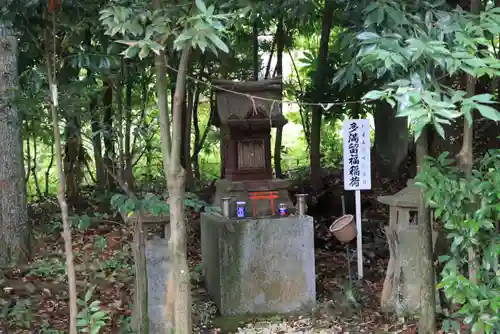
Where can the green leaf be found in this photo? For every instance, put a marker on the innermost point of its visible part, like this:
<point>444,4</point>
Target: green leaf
<point>99,315</point>
<point>201,6</point>
<point>339,75</point>
<point>218,42</point>
<point>446,324</point>
<point>96,304</point>
<point>439,129</point>
<point>364,36</point>
<point>144,52</point>
<point>488,112</point>
<point>89,294</point>
<point>483,98</point>
<point>466,110</point>
<point>474,62</point>
<point>391,102</point>
<point>95,330</point>
<point>457,242</point>
<point>444,258</point>
<point>373,95</point>
<point>131,52</point>
<point>82,322</point>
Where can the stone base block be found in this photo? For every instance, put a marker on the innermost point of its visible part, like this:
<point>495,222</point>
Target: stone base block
<point>259,265</point>
<point>157,266</point>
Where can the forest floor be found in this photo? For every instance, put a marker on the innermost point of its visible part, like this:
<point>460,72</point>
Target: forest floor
<point>34,299</point>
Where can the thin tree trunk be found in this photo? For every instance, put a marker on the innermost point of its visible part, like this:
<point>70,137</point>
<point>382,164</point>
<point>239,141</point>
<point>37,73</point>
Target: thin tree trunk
<point>428,293</point>
<point>198,142</point>
<point>161,94</point>
<point>129,175</point>
<point>49,168</point>
<point>319,83</point>
<point>196,125</point>
<point>255,49</point>
<point>28,156</point>
<point>269,61</point>
<point>194,158</point>
<point>72,167</point>
<point>14,224</point>
<point>73,308</point>
<point>34,169</point>
<point>176,182</point>
<point>108,131</point>
<point>140,280</point>
<point>186,136</point>
<point>389,129</point>
<point>304,115</point>
<point>119,120</point>
<point>280,47</point>
<point>466,156</point>
<point>96,126</point>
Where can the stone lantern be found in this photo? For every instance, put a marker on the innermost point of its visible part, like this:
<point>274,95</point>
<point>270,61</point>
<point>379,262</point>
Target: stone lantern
<point>402,286</point>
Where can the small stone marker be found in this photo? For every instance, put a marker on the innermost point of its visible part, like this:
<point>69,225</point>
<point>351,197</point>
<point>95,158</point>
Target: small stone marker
<point>157,266</point>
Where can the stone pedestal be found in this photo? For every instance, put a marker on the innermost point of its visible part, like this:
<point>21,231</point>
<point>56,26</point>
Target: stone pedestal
<point>259,265</point>
<point>402,285</point>
<point>157,266</point>
<point>238,191</point>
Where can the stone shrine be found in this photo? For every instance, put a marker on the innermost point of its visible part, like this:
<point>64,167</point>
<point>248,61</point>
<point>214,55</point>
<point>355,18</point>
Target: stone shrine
<point>245,125</point>
<point>261,262</point>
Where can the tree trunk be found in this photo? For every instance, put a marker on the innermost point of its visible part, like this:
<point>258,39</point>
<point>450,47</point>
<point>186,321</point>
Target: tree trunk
<point>186,136</point>
<point>176,182</point>
<point>428,298</point>
<point>466,156</point>
<point>255,49</point>
<point>391,141</point>
<point>61,196</point>
<point>280,47</point>
<point>304,115</point>
<point>35,167</point>
<point>128,172</point>
<point>96,126</point>
<point>97,143</point>
<point>73,158</point>
<point>319,83</point>
<point>28,155</point>
<point>119,122</point>
<point>49,168</point>
<point>199,143</point>
<point>269,60</point>
<point>14,224</point>
<point>108,131</point>
<point>140,325</point>
<point>161,94</point>
<point>195,157</point>
<point>196,125</point>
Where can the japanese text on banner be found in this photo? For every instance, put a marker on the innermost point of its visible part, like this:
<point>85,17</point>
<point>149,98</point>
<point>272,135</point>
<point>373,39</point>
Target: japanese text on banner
<point>357,171</point>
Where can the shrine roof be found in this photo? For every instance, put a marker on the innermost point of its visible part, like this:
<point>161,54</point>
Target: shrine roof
<point>406,198</point>
<point>234,105</point>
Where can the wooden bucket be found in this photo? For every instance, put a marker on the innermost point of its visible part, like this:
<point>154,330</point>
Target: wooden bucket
<point>344,228</point>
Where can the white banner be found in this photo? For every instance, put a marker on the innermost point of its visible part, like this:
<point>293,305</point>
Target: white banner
<point>357,165</point>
